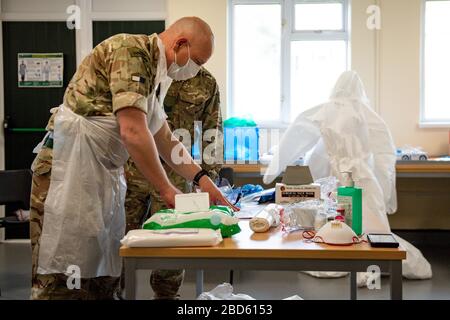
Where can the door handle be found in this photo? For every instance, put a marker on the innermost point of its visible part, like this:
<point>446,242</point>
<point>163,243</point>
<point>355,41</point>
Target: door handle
<point>6,123</point>
<point>7,127</point>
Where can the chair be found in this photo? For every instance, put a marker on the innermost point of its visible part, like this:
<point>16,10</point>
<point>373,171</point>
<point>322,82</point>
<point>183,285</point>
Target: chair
<point>15,189</point>
<point>227,173</point>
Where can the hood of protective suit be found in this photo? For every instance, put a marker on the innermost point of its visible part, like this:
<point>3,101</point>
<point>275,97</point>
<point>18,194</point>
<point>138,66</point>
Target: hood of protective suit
<point>350,86</point>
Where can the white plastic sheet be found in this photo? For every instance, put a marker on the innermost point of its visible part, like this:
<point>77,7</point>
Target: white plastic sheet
<point>225,292</point>
<point>345,134</point>
<point>84,210</point>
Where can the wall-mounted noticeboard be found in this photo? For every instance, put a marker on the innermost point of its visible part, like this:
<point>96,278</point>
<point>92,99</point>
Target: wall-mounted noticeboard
<point>40,70</point>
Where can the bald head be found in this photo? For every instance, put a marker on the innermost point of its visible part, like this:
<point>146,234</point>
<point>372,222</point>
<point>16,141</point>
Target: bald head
<point>190,32</point>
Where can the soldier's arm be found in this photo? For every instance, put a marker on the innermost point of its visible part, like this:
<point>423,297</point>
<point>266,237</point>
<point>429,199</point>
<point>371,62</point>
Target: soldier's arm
<point>130,85</point>
<point>175,154</point>
<point>179,159</point>
<point>213,127</point>
<point>141,146</point>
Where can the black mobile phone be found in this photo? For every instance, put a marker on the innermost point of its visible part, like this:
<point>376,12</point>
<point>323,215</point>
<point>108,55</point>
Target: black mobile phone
<point>382,240</point>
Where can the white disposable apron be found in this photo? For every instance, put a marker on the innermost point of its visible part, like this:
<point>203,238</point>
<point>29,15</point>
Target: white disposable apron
<point>84,210</point>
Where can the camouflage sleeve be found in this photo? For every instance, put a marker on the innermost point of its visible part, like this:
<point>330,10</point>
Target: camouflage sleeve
<point>212,127</point>
<point>130,82</point>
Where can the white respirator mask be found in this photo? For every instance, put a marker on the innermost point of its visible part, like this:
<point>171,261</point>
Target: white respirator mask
<point>336,233</point>
<point>182,73</point>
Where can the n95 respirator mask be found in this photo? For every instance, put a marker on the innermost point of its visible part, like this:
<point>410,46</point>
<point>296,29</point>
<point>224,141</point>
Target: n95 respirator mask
<point>336,233</point>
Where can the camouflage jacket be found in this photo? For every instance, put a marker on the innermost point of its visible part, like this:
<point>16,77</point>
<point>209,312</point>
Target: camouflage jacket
<point>198,99</point>
<point>119,72</point>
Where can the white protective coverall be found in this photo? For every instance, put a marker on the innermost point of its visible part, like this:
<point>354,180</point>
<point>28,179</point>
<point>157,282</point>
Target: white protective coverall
<point>345,134</point>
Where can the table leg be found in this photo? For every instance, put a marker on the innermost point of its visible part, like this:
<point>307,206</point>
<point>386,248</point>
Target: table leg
<point>199,282</point>
<point>353,285</point>
<point>130,278</point>
<point>396,280</point>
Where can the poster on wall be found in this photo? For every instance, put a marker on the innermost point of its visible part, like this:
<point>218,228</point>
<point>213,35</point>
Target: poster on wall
<point>40,70</point>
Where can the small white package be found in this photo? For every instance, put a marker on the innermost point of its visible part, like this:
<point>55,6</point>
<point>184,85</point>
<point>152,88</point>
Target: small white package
<point>172,238</point>
<point>268,217</point>
<point>192,202</point>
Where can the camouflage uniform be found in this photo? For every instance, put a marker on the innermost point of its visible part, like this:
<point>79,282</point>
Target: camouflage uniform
<point>196,99</point>
<point>102,85</point>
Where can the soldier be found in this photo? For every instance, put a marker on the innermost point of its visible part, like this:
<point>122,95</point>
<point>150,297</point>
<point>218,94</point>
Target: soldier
<point>111,111</point>
<point>186,102</point>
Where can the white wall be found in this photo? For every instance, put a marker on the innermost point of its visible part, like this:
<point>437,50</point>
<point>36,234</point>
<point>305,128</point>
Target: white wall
<point>214,12</point>
<point>364,48</point>
<point>400,76</point>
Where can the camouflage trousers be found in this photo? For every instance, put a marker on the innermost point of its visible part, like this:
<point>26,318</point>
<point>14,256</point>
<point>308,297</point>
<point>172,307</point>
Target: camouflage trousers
<point>165,283</point>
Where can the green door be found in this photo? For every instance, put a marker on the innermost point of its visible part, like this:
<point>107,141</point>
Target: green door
<point>104,29</point>
<point>27,109</point>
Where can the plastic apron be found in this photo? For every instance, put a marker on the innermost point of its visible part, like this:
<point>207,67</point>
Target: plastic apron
<point>84,209</point>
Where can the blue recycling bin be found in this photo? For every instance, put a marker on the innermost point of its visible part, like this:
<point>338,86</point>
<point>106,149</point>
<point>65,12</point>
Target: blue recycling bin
<point>241,144</point>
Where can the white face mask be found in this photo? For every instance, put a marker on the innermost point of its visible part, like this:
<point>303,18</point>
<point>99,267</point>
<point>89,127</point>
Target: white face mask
<point>181,73</point>
<point>336,233</point>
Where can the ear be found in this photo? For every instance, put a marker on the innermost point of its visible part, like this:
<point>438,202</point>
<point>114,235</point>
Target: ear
<point>179,43</point>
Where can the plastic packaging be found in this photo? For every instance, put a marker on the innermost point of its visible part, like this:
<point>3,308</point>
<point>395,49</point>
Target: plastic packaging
<point>260,197</point>
<point>223,292</point>
<point>267,218</point>
<point>172,238</point>
<point>303,216</point>
<point>249,189</point>
<point>217,218</point>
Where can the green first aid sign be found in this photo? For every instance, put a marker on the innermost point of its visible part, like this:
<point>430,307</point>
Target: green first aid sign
<point>40,70</point>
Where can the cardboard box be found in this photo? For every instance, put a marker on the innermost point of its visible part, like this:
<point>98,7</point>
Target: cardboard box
<point>297,186</point>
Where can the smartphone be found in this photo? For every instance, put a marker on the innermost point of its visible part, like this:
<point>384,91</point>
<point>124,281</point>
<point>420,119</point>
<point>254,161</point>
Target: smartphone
<point>382,240</point>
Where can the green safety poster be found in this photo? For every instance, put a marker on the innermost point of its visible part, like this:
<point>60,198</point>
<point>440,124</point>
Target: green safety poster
<point>40,70</point>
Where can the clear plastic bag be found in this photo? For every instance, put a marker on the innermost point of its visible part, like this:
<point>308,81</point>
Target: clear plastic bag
<point>308,215</point>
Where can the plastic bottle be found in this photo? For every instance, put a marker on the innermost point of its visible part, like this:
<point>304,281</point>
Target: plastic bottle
<point>350,197</point>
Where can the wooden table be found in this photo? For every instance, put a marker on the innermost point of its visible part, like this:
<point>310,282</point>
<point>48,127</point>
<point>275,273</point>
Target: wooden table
<point>266,251</point>
<point>405,169</point>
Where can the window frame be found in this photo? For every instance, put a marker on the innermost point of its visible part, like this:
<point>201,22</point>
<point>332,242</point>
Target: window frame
<point>423,121</point>
<point>288,35</point>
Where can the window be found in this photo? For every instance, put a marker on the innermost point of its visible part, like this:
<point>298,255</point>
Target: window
<point>436,64</point>
<point>285,56</point>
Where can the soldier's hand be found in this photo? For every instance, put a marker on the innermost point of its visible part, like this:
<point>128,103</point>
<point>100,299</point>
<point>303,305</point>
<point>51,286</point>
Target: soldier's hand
<point>215,196</point>
<point>168,195</point>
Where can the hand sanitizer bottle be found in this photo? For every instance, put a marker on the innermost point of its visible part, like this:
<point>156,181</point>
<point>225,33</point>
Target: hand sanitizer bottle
<point>350,198</point>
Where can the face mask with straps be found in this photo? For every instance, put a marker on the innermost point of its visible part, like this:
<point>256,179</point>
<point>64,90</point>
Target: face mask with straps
<point>182,73</point>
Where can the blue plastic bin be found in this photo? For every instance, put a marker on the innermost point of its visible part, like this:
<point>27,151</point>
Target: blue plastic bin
<point>241,144</point>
